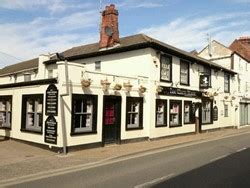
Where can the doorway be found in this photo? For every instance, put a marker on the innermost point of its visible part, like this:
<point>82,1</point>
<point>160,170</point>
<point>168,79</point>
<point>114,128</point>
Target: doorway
<point>111,119</point>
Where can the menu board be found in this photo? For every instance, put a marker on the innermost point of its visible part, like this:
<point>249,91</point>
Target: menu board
<point>50,135</point>
<point>51,103</point>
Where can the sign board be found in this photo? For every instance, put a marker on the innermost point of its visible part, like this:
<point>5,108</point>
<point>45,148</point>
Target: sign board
<point>204,81</point>
<point>50,135</point>
<point>51,103</point>
<point>170,91</point>
<point>215,113</point>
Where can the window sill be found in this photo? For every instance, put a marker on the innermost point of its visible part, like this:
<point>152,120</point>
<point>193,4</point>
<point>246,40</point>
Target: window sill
<point>166,81</point>
<point>31,131</point>
<point>82,133</point>
<point>209,123</point>
<point>188,123</point>
<point>135,128</point>
<point>173,126</point>
<point>8,128</point>
<point>156,126</point>
<point>182,84</point>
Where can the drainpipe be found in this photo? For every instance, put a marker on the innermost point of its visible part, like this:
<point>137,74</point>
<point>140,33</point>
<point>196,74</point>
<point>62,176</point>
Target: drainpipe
<point>64,136</point>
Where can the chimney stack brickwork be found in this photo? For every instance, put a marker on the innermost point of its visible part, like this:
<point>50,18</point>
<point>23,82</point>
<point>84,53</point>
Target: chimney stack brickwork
<point>110,20</point>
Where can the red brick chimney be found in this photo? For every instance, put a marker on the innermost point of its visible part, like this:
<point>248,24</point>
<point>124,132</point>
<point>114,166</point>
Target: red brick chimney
<point>109,34</point>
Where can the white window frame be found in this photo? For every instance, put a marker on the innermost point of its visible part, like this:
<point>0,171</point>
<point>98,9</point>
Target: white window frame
<point>166,66</point>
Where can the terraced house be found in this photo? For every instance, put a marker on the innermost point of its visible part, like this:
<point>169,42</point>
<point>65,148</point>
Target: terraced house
<point>114,91</point>
<point>235,57</point>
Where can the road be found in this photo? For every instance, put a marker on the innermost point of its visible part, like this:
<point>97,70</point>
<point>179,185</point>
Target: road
<point>223,162</point>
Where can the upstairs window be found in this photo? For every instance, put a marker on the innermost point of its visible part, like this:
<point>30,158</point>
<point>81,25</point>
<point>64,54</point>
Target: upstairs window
<point>226,83</point>
<point>27,77</point>
<point>207,71</point>
<point>5,111</point>
<point>184,72</point>
<point>98,65</point>
<point>166,68</point>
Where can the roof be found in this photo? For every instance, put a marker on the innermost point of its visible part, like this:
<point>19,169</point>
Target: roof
<point>129,43</point>
<point>19,67</point>
<point>133,42</point>
<point>242,47</point>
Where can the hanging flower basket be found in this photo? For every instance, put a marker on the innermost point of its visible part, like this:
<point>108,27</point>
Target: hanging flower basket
<point>117,87</point>
<point>85,82</point>
<point>226,97</point>
<point>142,89</point>
<point>127,86</point>
<point>159,89</point>
<point>105,84</point>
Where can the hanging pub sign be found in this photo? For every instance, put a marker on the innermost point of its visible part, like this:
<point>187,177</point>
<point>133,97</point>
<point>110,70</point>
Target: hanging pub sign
<point>171,91</point>
<point>50,135</point>
<point>215,113</point>
<point>51,103</point>
<point>204,81</point>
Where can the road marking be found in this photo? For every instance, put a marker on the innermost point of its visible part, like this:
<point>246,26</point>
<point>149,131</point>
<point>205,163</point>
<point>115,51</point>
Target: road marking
<point>218,158</point>
<point>155,181</point>
<point>242,149</point>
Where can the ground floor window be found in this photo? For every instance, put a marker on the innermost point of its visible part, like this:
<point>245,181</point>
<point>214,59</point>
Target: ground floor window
<point>134,113</point>
<point>207,111</point>
<point>188,112</point>
<point>32,113</point>
<point>5,111</point>
<point>84,113</point>
<point>175,115</point>
<point>161,113</point>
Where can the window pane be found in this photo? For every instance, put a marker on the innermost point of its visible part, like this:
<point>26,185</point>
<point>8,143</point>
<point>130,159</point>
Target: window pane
<point>165,68</point>
<point>134,112</point>
<point>83,105</point>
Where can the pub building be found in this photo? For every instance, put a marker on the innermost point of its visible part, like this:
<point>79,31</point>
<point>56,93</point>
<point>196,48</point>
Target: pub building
<point>114,91</point>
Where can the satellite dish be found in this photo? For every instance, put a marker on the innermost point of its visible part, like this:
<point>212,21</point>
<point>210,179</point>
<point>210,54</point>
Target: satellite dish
<point>108,31</point>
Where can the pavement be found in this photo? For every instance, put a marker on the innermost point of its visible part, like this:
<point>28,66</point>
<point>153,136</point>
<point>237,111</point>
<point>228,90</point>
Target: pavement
<point>20,160</point>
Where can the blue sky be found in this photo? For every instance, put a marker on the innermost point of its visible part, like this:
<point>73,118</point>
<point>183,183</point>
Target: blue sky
<point>29,28</point>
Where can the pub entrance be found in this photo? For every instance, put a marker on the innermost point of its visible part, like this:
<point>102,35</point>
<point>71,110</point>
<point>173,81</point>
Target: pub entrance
<point>111,119</point>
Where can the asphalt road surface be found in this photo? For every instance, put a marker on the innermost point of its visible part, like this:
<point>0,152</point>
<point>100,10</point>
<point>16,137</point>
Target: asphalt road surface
<point>224,162</point>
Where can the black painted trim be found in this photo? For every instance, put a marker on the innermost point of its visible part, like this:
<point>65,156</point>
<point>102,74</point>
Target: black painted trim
<point>30,83</point>
<point>94,98</point>
<point>31,131</point>
<point>128,101</point>
<point>23,113</point>
<point>8,97</point>
<point>191,114</point>
<point>83,133</point>
<point>180,111</point>
<point>165,112</point>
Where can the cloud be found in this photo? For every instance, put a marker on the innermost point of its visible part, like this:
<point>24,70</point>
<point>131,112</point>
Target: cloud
<point>52,6</point>
<point>48,34</point>
<point>191,33</point>
<point>132,4</point>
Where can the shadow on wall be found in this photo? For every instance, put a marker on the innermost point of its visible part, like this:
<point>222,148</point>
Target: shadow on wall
<point>6,137</point>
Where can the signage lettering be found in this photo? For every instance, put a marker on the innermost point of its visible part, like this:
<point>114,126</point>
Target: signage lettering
<point>170,91</point>
<point>50,130</point>
<point>51,103</point>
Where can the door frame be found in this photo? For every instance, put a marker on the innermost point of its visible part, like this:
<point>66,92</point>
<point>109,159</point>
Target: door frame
<point>118,100</point>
